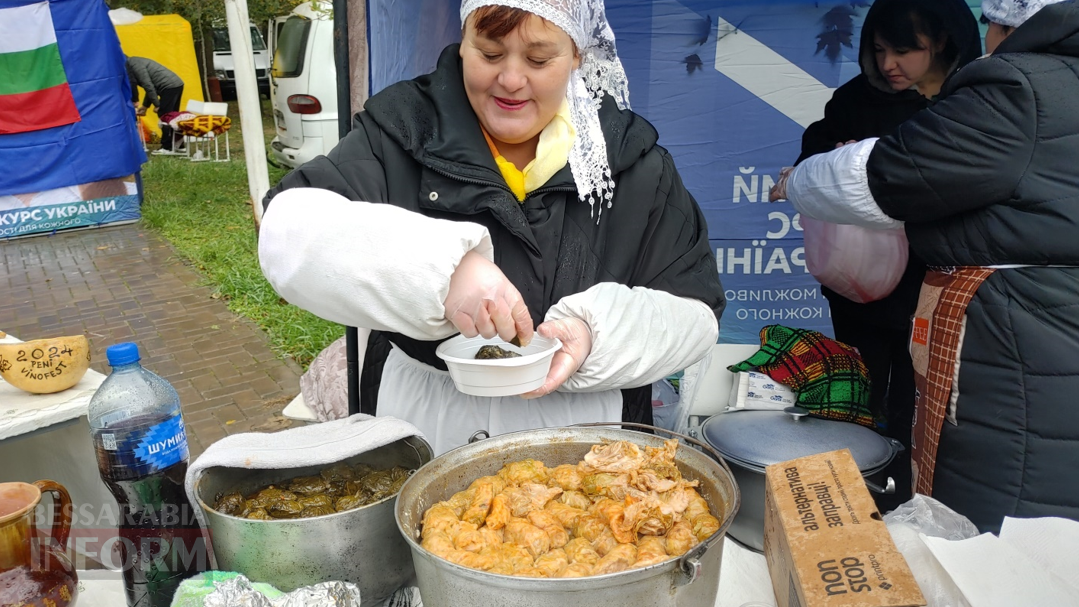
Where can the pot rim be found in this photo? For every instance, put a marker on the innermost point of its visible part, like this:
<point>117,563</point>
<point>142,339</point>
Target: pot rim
<point>895,447</point>
<point>713,542</point>
<point>762,469</point>
<point>211,511</point>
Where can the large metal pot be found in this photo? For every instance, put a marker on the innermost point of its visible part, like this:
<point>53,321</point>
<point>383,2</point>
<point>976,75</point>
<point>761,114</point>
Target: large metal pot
<point>361,546</point>
<point>689,581</point>
<point>752,440</point>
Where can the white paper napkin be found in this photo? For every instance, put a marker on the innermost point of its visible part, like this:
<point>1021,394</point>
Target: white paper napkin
<point>1053,543</point>
<point>992,572</point>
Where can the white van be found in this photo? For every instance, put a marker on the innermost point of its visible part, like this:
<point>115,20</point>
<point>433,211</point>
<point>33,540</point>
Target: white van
<point>304,86</point>
<point>223,64</point>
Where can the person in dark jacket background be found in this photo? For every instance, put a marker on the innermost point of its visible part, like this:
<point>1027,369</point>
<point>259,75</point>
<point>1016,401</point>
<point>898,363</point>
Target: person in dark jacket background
<point>985,183</point>
<point>164,89</point>
<point>908,49</point>
<point>512,197</point>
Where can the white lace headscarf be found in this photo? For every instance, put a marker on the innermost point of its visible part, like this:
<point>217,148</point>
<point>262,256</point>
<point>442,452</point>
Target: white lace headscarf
<point>600,71</point>
<point>1013,13</point>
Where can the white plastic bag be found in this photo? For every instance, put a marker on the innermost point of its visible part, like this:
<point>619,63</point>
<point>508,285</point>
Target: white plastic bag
<point>860,264</point>
<point>324,385</point>
<point>666,405</point>
<point>124,16</point>
<point>925,516</point>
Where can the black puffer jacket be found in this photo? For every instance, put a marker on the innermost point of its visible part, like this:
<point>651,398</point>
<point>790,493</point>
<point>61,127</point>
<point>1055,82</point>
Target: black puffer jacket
<point>867,106</point>
<point>419,146</point>
<point>988,176</point>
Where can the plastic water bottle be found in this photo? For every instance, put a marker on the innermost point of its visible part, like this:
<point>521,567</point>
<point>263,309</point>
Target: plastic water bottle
<point>141,446</point>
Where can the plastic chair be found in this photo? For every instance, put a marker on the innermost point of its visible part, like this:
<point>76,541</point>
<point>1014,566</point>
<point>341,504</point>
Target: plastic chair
<point>198,146</point>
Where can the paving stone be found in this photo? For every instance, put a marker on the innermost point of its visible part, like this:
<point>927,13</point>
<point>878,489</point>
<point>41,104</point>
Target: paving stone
<point>125,283</point>
<point>228,413</point>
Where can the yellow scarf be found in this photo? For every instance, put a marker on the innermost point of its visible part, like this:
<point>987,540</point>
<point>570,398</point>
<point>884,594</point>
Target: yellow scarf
<point>552,153</point>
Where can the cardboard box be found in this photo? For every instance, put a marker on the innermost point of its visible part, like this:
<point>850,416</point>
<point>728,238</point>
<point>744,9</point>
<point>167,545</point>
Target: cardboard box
<point>825,542</point>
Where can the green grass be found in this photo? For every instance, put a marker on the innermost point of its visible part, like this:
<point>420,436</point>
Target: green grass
<point>203,210</point>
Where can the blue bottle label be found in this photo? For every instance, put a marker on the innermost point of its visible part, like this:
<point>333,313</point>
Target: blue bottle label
<point>163,444</point>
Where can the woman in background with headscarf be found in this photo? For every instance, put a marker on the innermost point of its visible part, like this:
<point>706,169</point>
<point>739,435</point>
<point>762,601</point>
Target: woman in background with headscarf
<point>908,49</point>
<point>511,186</point>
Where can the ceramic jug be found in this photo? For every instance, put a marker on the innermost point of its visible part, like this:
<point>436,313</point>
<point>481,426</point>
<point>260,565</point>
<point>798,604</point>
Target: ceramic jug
<point>34,570</point>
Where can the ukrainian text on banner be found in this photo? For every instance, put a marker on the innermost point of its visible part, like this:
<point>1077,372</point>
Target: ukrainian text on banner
<point>730,86</point>
<point>34,93</point>
<point>94,204</point>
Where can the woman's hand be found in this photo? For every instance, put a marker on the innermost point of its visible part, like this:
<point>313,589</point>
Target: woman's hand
<point>482,301</point>
<point>576,338</point>
<point>779,190</point>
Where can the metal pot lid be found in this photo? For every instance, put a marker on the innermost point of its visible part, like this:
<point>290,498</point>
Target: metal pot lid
<point>759,438</point>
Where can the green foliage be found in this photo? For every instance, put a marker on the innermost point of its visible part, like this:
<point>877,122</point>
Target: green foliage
<point>202,14</point>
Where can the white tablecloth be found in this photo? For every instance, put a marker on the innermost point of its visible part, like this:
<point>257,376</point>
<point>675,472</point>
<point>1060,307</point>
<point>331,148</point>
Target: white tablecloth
<point>101,588</point>
<point>743,579</point>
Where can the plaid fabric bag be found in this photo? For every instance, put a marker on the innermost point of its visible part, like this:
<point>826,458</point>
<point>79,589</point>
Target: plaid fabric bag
<point>829,377</point>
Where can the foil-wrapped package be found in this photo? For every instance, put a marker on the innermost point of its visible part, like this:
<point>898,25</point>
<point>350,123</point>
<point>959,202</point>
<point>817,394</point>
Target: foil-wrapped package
<point>238,592</point>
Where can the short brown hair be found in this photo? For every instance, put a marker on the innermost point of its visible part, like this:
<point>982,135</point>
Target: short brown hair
<point>495,21</point>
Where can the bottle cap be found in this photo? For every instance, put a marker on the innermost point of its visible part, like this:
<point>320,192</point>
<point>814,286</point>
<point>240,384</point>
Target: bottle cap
<point>122,354</point>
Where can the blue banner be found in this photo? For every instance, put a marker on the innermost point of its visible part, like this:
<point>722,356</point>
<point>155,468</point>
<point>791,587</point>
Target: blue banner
<point>405,38</point>
<point>24,221</point>
<point>730,85</point>
<point>105,143</point>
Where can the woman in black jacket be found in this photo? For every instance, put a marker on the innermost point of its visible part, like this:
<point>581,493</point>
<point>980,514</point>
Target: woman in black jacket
<point>908,48</point>
<point>984,183</point>
<point>512,185</point>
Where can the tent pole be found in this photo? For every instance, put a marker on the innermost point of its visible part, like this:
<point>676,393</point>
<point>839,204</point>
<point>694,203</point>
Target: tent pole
<point>344,124</point>
<point>247,99</point>
<point>340,56</point>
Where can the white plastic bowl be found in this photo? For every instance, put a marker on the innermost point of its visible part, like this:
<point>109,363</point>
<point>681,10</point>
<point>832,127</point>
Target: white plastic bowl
<point>498,377</point>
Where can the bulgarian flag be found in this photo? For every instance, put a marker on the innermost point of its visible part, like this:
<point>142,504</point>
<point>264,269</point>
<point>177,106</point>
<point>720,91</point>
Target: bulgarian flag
<point>34,93</point>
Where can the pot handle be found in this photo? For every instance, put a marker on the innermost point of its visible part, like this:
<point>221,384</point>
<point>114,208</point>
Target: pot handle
<point>690,562</point>
<point>478,435</point>
<point>887,489</point>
